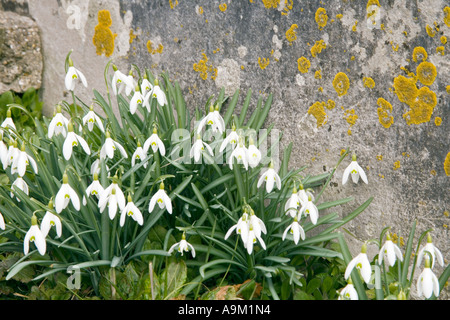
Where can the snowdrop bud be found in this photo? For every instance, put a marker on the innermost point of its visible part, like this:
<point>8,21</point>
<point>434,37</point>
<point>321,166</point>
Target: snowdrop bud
<point>114,67</point>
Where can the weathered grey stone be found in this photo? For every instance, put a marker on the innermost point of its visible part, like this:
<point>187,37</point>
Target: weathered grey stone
<point>21,61</point>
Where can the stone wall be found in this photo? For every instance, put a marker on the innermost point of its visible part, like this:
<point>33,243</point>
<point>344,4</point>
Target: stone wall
<point>344,76</point>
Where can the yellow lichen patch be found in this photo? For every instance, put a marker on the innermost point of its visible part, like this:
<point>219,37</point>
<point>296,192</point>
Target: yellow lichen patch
<point>419,54</point>
<point>379,157</point>
<point>422,108</point>
<point>263,63</point>
<point>288,5</point>
<point>318,74</point>
<point>443,39</point>
<point>321,18</point>
<point>438,121</point>
<point>303,64</point>
<point>152,50</point>
<point>447,164</point>
<point>331,104</point>
<point>430,31</point>
<point>341,83</point>
<point>173,4</point>
<point>440,50</point>
<point>396,165</point>
<point>447,88</point>
<point>271,3</point>
<point>447,16</point>
<point>368,82</point>
<point>384,113</point>
<point>339,16</point>
<point>433,172</point>
<point>394,46</point>
<point>350,116</point>
<point>204,69</point>
<point>372,3</point>
<point>291,35</point>
<point>200,10</point>
<point>426,73</point>
<point>318,111</point>
<point>132,36</point>
<point>406,89</point>
<point>354,26</point>
<point>318,47</point>
<point>223,7</point>
<point>103,37</point>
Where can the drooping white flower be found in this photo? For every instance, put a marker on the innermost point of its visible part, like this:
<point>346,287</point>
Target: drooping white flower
<point>433,250</point>
<point>11,155</point>
<point>65,195</point>
<point>198,147</point>
<point>361,262</point>
<point>182,246</point>
<point>348,292</point>
<point>112,197</point>
<point>241,227</point>
<point>95,167</point>
<point>240,153</point>
<point>139,154</point>
<point>162,199</point>
<point>146,86</point>
<point>92,118</point>
<point>155,143</point>
<point>132,211</point>
<point>2,222</point>
<point>309,209</point>
<point>109,146</point>
<point>214,119</point>
<point>271,178</point>
<point>303,194</point>
<point>51,220</point>
<point>232,138</point>
<point>251,239</point>
<point>253,154</point>
<point>72,139</point>
<point>19,183</point>
<point>391,251</point>
<point>58,124</point>
<point>7,123</point>
<point>158,93</point>
<point>21,161</point>
<point>292,204</point>
<point>72,75</point>
<point>427,283</point>
<point>355,171</point>
<point>296,230</point>
<point>258,225</point>
<point>3,154</point>
<point>94,189</point>
<point>120,81</point>
<point>138,99</point>
<point>35,235</point>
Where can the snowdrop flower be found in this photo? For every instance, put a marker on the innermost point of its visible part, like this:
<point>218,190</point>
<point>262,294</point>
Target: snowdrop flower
<point>139,154</point>
<point>182,246</point>
<point>3,154</point>
<point>12,154</point>
<point>35,235</point>
<point>348,292</point>
<point>51,220</point>
<point>355,171</point>
<point>121,81</point>
<point>271,178</point>
<point>94,189</point>
<point>241,227</point>
<point>214,119</point>
<point>58,124</point>
<point>391,251</point>
<point>198,147</point>
<point>361,262</point>
<point>231,139</point>
<point>155,142</point>
<point>72,139</point>
<point>95,167</point>
<point>146,86</point>
<point>112,197</point>
<point>292,204</point>
<point>304,195</point>
<point>309,208</point>
<point>138,99</point>
<point>92,118</point>
<point>65,195</point>
<point>435,252</point>
<point>162,199</point>
<point>427,283</point>
<point>240,153</point>
<point>7,123</point>
<point>158,94</point>
<point>19,183</point>
<point>132,211</point>
<point>296,230</point>
<point>109,146</point>
<point>252,237</point>
<point>2,222</point>
<point>72,75</point>
<point>253,154</point>
<point>21,161</point>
